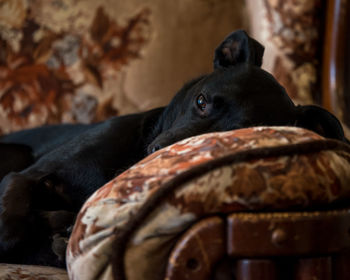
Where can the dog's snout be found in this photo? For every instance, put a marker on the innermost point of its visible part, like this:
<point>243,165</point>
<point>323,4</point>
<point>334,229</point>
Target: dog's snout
<point>153,148</point>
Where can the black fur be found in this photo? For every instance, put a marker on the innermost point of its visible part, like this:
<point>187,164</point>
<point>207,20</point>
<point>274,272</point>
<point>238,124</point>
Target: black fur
<point>49,172</point>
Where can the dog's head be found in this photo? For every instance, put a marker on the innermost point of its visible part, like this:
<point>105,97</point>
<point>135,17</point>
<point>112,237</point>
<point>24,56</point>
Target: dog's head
<point>237,94</point>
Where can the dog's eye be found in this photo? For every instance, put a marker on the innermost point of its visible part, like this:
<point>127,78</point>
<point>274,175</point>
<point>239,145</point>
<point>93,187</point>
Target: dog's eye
<point>201,102</point>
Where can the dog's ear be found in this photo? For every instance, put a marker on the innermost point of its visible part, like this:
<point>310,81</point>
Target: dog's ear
<point>16,158</point>
<point>320,121</point>
<point>238,47</point>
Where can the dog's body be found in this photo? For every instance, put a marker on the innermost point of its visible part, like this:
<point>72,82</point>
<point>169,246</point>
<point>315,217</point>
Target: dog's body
<point>50,171</point>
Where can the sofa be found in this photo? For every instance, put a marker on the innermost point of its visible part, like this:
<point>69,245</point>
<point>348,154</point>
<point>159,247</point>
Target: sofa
<point>257,203</point>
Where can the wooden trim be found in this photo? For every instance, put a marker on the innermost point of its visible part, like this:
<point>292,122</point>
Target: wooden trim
<point>256,269</point>
<point>314,268</point>
<point>333,56</point>
<point>252,235</point>
<point>197,252</point>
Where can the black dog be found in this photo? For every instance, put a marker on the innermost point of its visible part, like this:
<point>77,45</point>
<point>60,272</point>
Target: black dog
<point>50,171</point>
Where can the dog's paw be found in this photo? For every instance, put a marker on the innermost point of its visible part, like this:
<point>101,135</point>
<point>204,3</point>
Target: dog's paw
<point>59,246</point>
<point>61,223</point>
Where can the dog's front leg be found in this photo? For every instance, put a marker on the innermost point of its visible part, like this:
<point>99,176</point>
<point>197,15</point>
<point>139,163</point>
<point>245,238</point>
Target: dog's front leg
<point>33,209</point>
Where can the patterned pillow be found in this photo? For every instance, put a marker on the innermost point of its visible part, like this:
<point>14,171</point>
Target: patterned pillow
<point>129,226</point>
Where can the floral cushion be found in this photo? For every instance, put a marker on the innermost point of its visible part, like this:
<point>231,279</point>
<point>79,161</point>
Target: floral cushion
<point>128,227</point>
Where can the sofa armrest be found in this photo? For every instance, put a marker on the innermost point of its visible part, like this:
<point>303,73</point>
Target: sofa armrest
<point>128,228</point>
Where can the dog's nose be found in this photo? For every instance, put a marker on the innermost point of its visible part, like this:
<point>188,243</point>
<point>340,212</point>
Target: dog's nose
<point>156,147</point>
<point>153,148</point>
